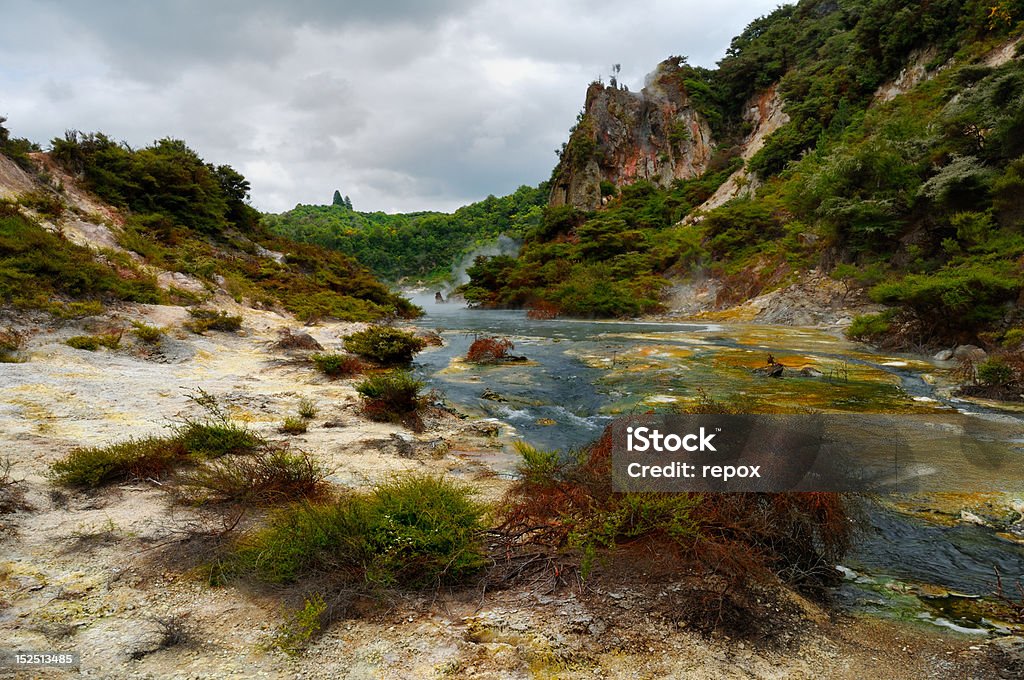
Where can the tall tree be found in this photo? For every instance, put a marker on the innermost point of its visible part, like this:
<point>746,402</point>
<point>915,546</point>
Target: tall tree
<point>348,202</point>
<point>337,198</point>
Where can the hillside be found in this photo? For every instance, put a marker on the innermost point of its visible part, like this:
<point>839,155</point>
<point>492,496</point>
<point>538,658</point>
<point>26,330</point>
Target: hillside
<point>414,247</point>
<point>878,142</point>
<point>93,222</point>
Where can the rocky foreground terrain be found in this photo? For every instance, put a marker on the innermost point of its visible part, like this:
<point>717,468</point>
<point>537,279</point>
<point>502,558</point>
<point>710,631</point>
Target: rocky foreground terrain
<point>116,574</point>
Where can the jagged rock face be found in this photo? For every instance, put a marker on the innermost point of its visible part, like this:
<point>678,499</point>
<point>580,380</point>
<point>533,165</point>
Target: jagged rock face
<point>625,136</point>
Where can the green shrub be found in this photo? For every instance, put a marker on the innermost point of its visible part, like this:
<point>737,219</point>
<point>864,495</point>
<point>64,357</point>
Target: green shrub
<point>293,426</point>
<point>995,372</point>
<point>390,397</point>
<point>537,466</point>
<point>965,296</point>
<point>146,333</point>
<point>337,365</point>
<point>267,476</point>
<point>92,343</point>
<point>634,515</point>
<point>135,458</point>
<point>214,439</point>
<point>44,203</point>
<point>37,265</point>
<point>415,532</point>
<point>307,408</point>
<point>212,320</point>
<point>302,626</point>
<point>870,327</point>
<point>386,345</point>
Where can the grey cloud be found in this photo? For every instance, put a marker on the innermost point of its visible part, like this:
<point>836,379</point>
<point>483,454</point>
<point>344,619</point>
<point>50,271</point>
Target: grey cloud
<point>402,105</point>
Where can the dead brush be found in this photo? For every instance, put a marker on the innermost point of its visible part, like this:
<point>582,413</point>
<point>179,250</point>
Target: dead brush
<point>289,339</point>
<point>489,350</point>
<point>269,476</point>
<point>727,547</point>
<point>12,492</point>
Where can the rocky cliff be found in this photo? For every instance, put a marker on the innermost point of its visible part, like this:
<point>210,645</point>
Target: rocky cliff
<point>623,137</point>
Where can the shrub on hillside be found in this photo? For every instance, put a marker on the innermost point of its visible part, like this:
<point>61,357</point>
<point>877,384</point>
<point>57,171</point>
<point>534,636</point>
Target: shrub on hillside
<point>212,320</point>
<point>385,345</point>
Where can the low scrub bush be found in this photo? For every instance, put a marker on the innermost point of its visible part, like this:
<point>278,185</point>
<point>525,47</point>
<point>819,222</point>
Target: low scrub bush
<point>961,298</point>
<point>414,532</point>
<point>270,475</point>
<point>132,459</point>
<point>337,365</point>
<point>489,350</point>
<point>302,626</point>
<point>92,343</point>
<point>212,320</point>
<point>215,434</point>
<point>391,397</point>
<point>385,345</point>
<point>565,503</point>
<point>870,327</point>
<point>996,372</point>
<point>307,408</point>
<point>213,439</point>
<point>146,333</point>
<point>293,426</point>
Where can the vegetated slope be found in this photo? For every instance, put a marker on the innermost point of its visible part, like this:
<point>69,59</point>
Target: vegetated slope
<point>916,197</point>
<point>153,211</point>
<point>423,245</point>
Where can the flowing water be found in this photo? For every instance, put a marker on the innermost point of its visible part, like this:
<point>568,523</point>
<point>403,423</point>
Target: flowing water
<point>580,374</point>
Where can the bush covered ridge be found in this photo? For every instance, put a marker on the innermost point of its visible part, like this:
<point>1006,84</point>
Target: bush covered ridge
<point>180,214</point>
<point>425,245</point>
<point>918,200</point>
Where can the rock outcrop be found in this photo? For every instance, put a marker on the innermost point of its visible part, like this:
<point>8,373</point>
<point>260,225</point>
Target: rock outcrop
<point>623,137</point>
<point>764,112</point>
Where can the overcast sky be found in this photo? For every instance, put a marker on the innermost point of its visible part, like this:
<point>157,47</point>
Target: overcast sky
<point>403,105</point>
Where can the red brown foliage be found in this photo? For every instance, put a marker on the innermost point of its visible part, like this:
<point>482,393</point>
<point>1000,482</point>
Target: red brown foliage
<point>489,350</point>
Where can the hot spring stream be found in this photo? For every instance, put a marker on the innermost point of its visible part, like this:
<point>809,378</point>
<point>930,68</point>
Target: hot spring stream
<point>581,374</point>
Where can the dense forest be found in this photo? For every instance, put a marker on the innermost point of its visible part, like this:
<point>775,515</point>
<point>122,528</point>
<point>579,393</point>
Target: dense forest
<point>420,246</point>
<point>919,200</point>
<point>181,214</point>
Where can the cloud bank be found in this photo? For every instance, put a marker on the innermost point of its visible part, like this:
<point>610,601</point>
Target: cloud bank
<point>401,105</point>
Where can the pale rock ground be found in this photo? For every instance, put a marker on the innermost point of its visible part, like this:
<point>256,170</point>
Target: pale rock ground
<point>91,572</point>
<point>87,571</point>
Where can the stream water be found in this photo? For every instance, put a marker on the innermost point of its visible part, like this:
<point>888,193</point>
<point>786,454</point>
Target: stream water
<point>581,374</point>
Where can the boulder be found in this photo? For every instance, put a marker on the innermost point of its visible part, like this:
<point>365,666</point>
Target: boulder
<point>944,355</point>
<point>971,353</point>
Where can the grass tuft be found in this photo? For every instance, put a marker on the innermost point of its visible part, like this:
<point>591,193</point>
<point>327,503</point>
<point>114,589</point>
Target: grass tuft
<point>337,365</point>
<point>292,425</point>
<point>415,532</point>
<point>91,343</point>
